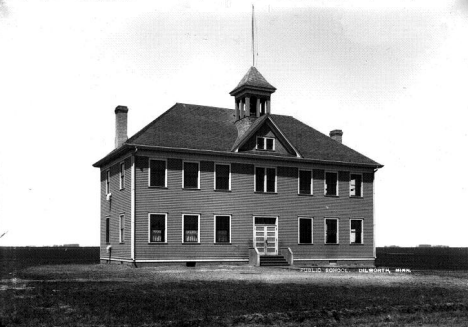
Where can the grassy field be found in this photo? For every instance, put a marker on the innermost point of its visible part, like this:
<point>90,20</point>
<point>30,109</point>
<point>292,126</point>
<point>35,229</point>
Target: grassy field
<point>112,295</point>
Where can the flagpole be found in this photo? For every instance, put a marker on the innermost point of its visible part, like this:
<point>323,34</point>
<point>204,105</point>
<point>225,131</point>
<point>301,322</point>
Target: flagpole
<point>253,37</point>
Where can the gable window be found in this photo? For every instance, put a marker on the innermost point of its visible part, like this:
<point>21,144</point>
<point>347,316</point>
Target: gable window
<point>222,229</point>
<point>222,177</point>
<point>122,175</point>
<point>121,228</point>
<point>265,179</point>
<point>305,182</point>
<point>107,229</point>
<point>108,182</point>
<point>191,175</point>
<point>356,230</point>
<point>355,185</point>
<point>157,228</point>
<point>191,224</point>
<point>265,143</point>
<point>157,173</point>
<point>331,231</point>
<point>331,183</point>
<point>305,230</point>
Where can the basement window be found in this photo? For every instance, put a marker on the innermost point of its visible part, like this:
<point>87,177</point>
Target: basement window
<point>355,185</point>
<point>356,230</point>
<point>331,231</point>
<point>331,184</point>
<point>265,143</point>
<point>157,228</point>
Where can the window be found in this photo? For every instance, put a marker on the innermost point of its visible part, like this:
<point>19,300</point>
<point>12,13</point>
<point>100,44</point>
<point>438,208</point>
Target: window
<point>222,177</point>
<point>265,143</point>
<point>305,230</point>
<point>157,228</point>
<point>331,231</point>
<point>121,228</point>
<point>107,229</point>
<point>305,182</point>
<point>222,229</point>
<point>265,179</point>
<point>355,185</point>
<point>191,175</point>
<point>331,183</point>
<point>108,182</point>
<point>191,228</point>
<point>157,173</point>
<point>355,236</point>
<point>122,175</point>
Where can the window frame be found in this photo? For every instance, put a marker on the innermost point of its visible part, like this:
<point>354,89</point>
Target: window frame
<point>183,228</point>
<point>230,229</point>
<point>229,182</point>
<point>122,228</point>
<point>107,230</point>
<point>265,179</point>
<point>108,177</point>
<point>183,175</point>
<point>362,231</point>
<point>325,183</point>
<point>311,182</point>
<point>337,231</point>
<point>299,229</point>
<point>362,185</point>
<point>149,227</point>
<point>122,175</point>
<point>265,143</point>
<point>149,172</point>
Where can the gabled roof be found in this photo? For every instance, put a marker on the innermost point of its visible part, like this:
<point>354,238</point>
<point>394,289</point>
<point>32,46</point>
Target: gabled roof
<point>194,127</point>
<point>254,79</point>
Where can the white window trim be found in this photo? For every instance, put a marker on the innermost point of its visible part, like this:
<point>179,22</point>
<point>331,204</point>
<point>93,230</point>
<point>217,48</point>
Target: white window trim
<point>122,175</point>
<point>264,143</point>
<point>311,181</point>
<point>299,230</point>
<point>149,171</point>
<point>362,185</point>
<point>183,175</point>
<point>121,228</point>
<point>325,183</point>
<point>214,179</point>
<point>183,230</point>
<point>265,179</point>
<point>108,181</point>
<point>325,230</point>
<point>165,227</point>
<point>362,230</point>
<point>214,231</point>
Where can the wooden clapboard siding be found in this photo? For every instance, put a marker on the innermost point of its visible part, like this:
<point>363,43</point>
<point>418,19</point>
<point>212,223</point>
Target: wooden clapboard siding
<point>119,204</point>
<point>242,203</point>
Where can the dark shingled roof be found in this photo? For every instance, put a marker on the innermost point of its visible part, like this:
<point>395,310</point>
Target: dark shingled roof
<point>254,79</point>
<point>187,126</point>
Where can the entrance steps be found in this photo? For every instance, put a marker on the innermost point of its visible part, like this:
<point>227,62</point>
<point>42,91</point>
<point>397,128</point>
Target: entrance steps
<point>273,260</point>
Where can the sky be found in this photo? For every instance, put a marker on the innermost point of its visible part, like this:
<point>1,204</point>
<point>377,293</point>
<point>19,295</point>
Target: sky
<point>392,75</point>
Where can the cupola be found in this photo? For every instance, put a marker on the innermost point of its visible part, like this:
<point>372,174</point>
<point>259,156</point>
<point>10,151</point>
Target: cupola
<point>252,95</point>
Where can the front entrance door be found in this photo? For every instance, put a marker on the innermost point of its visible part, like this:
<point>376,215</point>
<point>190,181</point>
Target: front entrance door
<point>266,235</point>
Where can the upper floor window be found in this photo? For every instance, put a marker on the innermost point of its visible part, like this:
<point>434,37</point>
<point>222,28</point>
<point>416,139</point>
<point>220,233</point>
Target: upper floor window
<point>222,177</point>
<point>356,231</point>
<point>122,175</point>
<point>355,185</point>
<point>331,231</point>
<point>157,173</point>
<point>305,182</point>
<point>108,182</point>
<point>265,179</point>
<point>265,143</point>
<point>121,228</point>
<point>331,183</point>
<point>157,228</point>
<point>191,175</point>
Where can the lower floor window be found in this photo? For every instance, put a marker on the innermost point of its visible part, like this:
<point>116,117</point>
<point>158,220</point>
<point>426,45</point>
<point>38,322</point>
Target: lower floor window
<point>191,228</point>
<point>222,229</point>
<point>305,230</point>
<point>107,230</point>
<point>122,228</point>
<point>356,231</point>
<point>331,231</point>
<point>157,228</point>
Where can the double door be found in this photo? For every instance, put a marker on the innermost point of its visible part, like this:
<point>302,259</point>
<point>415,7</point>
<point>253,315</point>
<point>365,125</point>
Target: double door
<point>266,236</point>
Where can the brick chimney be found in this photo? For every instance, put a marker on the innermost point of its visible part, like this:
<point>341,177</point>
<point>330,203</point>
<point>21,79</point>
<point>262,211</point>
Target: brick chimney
<point>337,135</point>
<point>120,125</point>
